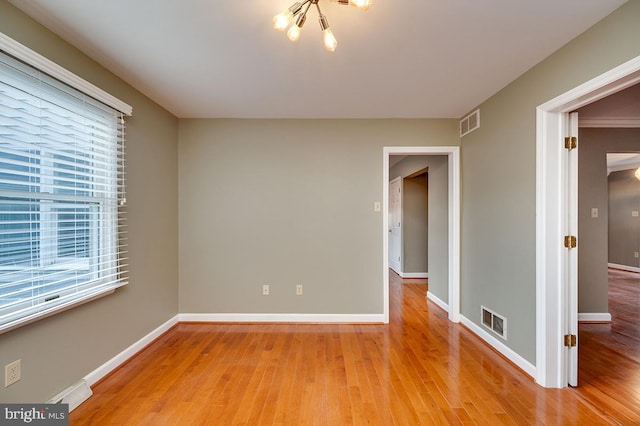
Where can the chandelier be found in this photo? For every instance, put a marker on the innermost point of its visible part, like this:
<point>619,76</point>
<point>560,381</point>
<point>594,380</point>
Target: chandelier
<point>286,19</point>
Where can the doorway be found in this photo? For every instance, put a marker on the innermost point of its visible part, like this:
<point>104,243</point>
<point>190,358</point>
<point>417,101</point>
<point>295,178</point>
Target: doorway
<point>452,306</point>
<point>556,209</point>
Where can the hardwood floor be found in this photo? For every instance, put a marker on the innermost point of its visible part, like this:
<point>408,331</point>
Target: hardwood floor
<point>419,369</point>
<point>609,354</point>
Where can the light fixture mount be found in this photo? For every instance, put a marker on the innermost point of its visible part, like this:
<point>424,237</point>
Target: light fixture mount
<point>286,19</point>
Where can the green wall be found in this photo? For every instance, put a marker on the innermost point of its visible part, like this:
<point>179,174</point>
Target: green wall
<point>286,202</point>
<point>499,176</point>
<point>58,351</point>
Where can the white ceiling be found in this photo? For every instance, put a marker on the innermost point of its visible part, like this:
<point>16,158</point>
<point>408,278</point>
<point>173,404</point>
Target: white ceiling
<point>399,59</point>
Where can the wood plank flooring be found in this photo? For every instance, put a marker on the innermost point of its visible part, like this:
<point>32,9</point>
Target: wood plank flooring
<point>609,354</point>
<point>418,370</point>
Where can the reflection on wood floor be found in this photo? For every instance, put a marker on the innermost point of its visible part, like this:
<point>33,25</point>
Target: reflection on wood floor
<point>609,354</point>
<point>420,369</point>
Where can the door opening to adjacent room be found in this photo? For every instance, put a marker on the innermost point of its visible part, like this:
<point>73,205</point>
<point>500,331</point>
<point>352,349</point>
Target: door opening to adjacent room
<point>452,303</point>
<point>556,220</point>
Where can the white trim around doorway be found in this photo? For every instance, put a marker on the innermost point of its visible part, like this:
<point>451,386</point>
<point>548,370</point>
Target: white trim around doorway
<point>453,154</point>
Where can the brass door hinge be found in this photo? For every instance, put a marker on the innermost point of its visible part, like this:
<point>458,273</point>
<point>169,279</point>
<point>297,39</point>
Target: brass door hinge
<point>570,340</point>
<point>570,241</point>
<point>570,142</point>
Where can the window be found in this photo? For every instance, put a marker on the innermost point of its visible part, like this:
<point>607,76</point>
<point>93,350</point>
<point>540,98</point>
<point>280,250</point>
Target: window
<point>61,195</point>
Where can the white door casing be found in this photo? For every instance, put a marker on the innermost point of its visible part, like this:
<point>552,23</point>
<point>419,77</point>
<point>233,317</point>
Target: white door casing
<point>395,225</point>
<point>453,155</point>
<point>552,217</point>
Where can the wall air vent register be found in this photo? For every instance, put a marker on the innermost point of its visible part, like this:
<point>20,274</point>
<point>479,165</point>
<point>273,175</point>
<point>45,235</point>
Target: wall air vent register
<point>494,322</point>
<point>470,123</point>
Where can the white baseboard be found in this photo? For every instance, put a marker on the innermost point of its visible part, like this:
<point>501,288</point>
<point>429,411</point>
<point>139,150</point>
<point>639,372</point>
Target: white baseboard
<point>284,318</point>
<point>594,317</point>
<point>512,356</point>
<point>435,299</point>
<point>414,275</point>
<point>106,368</point>
<point>624,267</point>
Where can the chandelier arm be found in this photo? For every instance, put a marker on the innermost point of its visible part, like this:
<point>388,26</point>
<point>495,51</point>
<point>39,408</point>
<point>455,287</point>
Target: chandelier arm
<point>308,6</point>
<point>305,2</point>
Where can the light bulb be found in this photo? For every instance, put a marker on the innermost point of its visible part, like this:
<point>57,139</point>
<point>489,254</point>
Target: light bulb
<point>294,33</point>
<point>637,173</point>
<point>330,41</point>
<point>281,20</point>
<point>360,4</point>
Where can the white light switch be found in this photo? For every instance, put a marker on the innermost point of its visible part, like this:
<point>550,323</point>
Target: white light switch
<point>634,213</point>
<point>594,212</point>
<point>376,206</point>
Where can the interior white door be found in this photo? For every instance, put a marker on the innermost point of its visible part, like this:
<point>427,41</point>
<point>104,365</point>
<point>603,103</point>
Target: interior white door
<point>572,253</point>
<point>395,225</point>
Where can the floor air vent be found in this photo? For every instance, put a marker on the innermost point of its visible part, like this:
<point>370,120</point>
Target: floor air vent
<point>470,123</point>
<point>494,322</point>
<point>73,395</point>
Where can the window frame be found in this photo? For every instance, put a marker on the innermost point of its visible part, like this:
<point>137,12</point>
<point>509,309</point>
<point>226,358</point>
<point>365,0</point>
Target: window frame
<point>45,66</point>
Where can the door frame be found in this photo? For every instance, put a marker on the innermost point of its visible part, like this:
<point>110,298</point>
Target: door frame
<point>553,211</point>
<point>453,154</point>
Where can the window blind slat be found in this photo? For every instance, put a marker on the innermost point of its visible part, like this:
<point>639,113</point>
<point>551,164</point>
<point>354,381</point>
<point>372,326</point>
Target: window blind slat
<point>34,109</point>
<point>21,133</point>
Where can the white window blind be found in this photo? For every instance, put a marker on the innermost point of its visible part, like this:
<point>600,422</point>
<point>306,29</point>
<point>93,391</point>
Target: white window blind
<point>62,227</point>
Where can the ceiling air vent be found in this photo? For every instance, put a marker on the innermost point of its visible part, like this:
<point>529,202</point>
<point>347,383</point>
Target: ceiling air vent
<point>470,123</point>
<point>494,322</point>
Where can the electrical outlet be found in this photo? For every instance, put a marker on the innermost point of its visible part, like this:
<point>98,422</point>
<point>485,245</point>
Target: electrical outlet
<point>12,373</point>
<point>299,290</point>
<point>636,254</point>
<point>265,290</point>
